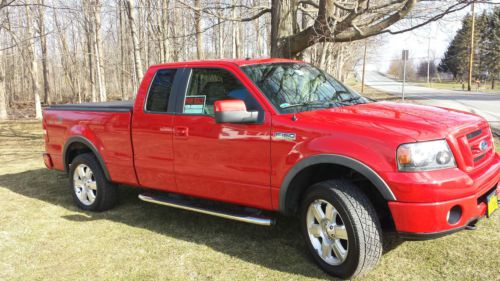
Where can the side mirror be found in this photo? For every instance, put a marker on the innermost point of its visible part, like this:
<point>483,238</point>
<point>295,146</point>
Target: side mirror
<point>234,111</point>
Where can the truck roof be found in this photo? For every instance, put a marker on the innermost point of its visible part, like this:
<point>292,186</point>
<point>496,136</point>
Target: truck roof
<point>238,62</point>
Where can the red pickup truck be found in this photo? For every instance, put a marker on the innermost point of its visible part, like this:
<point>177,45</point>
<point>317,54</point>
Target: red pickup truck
<point>241,139</point>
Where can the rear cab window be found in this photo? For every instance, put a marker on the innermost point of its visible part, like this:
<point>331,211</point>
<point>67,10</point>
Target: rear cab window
<point>160,91</point>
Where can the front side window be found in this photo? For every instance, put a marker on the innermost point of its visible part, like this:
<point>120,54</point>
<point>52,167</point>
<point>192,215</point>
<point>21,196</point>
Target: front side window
<point>292,87</point>
<point>159,92</point>
<point>208,85</point>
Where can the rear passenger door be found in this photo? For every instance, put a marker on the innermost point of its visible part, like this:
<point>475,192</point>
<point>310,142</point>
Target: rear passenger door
<point>227,162</point>
<point>152,130</point>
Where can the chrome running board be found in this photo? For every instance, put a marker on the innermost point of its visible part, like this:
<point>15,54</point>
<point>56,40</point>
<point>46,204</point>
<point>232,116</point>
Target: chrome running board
<point>243,216</point>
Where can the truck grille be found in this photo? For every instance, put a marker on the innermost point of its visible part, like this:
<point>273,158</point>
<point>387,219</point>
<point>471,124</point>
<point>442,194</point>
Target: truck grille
<point>476,147</point>
<point>474,134</point>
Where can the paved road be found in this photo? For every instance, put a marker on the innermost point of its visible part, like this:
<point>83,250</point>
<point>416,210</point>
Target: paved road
<point>484,104</point>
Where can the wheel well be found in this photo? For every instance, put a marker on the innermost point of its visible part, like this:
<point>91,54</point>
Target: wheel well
<point>327,171</point>
<point>75,149</point>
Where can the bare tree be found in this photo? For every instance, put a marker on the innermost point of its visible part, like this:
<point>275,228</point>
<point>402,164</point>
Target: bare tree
<point>85,39</point>
<point>90,50</point>
<point>43,47</point>
<point>33,68</point>
<point>345,21</point>
<point>3,100</point>
<point>199,33</point>
<point>236,37</point>
<point>99,58</point>
<point>135,40</point>
<point>165,30</point>
<point>67,60</point>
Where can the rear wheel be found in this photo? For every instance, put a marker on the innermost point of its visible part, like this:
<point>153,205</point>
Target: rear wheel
<point>90,188</point>
<point>341,228</point>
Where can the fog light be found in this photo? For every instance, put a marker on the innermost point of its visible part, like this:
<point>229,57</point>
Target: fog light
<point>454,214</point>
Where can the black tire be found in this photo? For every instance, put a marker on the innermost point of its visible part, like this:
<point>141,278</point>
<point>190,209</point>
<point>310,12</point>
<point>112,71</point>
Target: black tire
<point>106,192</point>
<point>360,220</point>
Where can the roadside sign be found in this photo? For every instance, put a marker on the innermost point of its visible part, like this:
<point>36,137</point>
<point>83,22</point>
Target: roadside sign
<point>405,55</point>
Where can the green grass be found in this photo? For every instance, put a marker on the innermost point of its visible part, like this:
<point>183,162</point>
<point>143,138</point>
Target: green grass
<point>452,85</point>
<point>43,236</point>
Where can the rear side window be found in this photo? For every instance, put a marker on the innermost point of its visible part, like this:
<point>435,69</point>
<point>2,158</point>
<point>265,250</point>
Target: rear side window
<point>159,92</point>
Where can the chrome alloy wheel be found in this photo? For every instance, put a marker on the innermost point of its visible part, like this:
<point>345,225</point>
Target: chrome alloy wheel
<point>327,232</point>
<point>84,184</point>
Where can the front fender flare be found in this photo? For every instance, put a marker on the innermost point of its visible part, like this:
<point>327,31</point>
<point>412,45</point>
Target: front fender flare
<point>341,160</point>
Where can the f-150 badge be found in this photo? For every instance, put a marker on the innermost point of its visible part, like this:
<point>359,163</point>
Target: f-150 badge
<point>285,136</point>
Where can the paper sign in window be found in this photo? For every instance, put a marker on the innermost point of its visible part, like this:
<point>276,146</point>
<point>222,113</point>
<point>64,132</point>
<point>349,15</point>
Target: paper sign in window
<point>194,104</point>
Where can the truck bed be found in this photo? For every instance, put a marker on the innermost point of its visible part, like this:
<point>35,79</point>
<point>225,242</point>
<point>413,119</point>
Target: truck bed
<point>112,106</point>
<point>105,125</point>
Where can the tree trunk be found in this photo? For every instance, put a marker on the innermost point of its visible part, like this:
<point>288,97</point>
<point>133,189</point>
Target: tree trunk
<point>135,40</point>
<point>88,26</point>
<point>164,30</point>
<point>143,18</point>
<point>175,50</point>
<point>283,24</point>
<point>99,58</point>
<point>340,64</point>
<point>33,68</point>
<point>43,46</point>
<point>66,57</point>
<point>322,58</point>
<point>236,37</point>
<point>3,100</point>
<point>122,50</point>
<point>220,49</point>
<point>199,34</point>
<point>258,49</point>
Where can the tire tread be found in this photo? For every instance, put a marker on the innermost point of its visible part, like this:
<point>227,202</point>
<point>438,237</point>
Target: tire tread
<point>363,218</point>
<point>107,191</point>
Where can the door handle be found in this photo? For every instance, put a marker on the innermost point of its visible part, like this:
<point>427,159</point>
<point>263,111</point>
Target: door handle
<point>181,131</point>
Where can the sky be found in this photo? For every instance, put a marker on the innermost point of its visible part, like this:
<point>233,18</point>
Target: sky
<point>440,34</point>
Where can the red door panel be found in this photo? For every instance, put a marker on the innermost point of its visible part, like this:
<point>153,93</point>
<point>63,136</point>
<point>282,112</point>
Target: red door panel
<point>152,129</point>
<point>154,156</point>
<point>227,162</point>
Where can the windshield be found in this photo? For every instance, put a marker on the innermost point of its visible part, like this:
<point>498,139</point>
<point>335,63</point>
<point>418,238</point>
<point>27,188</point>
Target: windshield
<point>293,87</point>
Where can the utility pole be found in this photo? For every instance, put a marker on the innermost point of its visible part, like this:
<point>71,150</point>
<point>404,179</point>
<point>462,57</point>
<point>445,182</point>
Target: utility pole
<point>405,58</point>
<point>428,61</point>
<point>363,74</point>
<point>471,51</point>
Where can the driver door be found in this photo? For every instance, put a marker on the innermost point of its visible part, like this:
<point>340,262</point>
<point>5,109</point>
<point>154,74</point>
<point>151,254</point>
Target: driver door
<point>226,162</point>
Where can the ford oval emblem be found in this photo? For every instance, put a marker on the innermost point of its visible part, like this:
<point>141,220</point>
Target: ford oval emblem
<point>483,145</point>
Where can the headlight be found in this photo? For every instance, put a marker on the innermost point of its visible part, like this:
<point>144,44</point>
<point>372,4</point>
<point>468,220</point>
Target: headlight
<point>425,156</point>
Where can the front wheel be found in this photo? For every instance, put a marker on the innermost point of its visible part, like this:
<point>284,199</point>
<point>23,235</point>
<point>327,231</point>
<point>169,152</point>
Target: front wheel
<point>341,228</point>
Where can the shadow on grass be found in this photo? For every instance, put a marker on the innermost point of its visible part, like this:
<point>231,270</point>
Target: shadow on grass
<point>280,247</point>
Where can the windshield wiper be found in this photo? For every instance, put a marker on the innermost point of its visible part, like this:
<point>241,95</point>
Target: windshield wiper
<point>351,99</point>
<point>307,103</point>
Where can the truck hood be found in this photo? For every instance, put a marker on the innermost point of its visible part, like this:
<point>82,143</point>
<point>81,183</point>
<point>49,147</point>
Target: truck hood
<point>416,121</point>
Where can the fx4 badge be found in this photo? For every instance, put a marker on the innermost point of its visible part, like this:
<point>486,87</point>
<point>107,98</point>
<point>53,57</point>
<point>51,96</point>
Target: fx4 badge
<point>285,136</point>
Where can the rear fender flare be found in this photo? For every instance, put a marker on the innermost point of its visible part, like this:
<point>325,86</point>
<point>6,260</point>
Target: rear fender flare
<point>91,146</point>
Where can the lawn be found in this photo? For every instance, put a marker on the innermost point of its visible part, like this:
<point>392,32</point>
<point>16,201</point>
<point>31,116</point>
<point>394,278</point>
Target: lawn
<point>44,236</point>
